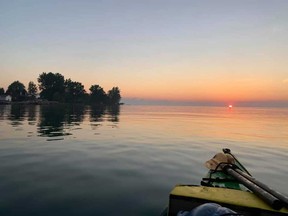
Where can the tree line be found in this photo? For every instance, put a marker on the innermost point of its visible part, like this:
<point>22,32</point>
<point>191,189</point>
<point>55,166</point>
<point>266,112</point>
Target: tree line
<point>54,87</point>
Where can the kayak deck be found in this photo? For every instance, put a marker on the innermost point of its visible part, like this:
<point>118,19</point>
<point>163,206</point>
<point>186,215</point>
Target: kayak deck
<point>217,178</point>
<point>187,197</point>
<point>219,187</point>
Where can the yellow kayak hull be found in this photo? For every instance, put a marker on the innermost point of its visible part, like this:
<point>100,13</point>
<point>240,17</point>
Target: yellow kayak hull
<point>186,197</point>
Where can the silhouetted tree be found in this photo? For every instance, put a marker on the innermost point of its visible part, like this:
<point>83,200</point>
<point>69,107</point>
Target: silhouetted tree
<point>74,91</point>
<point>17,91</point>
<point>98,95</point>
<point>114,96</point>
<point>51,86</point>
<point>2,91</point>
<point>32,89</point>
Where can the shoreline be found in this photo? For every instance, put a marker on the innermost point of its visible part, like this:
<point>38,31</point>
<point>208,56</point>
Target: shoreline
<point>49,103</point>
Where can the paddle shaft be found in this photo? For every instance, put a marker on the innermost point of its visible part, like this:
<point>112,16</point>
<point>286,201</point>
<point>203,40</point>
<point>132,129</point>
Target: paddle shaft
<point>281,197</point>
<point>273,201</point>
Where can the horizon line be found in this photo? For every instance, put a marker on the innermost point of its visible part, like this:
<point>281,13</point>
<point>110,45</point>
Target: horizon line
<point>250,103</point>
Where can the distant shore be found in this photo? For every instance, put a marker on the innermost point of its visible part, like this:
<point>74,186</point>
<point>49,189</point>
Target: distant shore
<point>38,102</point>
<point>29,102</point>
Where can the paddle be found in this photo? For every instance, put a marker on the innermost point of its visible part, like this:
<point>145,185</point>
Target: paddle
<point>281,197</point>
<point>276,194</point>
<point>269,198</point>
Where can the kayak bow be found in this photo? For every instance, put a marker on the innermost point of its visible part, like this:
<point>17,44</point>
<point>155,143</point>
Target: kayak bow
<point>232,186</point>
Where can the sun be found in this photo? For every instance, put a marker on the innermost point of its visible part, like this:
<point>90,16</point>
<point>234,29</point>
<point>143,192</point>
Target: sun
<point>230,106</point>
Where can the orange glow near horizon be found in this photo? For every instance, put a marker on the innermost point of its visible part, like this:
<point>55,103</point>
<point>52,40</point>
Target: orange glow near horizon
<point>212,92</point>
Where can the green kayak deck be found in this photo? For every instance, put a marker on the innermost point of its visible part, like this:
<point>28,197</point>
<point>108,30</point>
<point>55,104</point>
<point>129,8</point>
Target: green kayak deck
<point>219,179</point>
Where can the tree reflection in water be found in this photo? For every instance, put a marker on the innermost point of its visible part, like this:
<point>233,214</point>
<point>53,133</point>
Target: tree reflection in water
<point>31,116</point>
<point>17,115</point>
<point>58,120</point>
<point>113,113</point>
<point>52,119</point>
<point>99,114</point>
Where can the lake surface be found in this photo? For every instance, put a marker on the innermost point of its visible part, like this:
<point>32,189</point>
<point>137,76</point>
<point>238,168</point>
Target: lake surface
<point>81,160</point>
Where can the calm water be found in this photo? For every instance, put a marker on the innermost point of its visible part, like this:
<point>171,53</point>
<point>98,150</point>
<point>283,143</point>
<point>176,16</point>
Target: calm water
<point>81,160</point>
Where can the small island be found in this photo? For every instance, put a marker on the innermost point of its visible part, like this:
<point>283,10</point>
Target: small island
<point>54,88</point>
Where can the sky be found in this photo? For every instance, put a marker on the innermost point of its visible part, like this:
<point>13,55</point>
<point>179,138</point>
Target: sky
<point>154,50</point>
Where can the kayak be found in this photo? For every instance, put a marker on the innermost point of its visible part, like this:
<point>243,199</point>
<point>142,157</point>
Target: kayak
<point>228,183</point>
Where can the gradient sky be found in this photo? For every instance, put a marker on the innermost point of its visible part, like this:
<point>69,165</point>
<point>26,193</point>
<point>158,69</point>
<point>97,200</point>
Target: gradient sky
<point>222,50</point>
